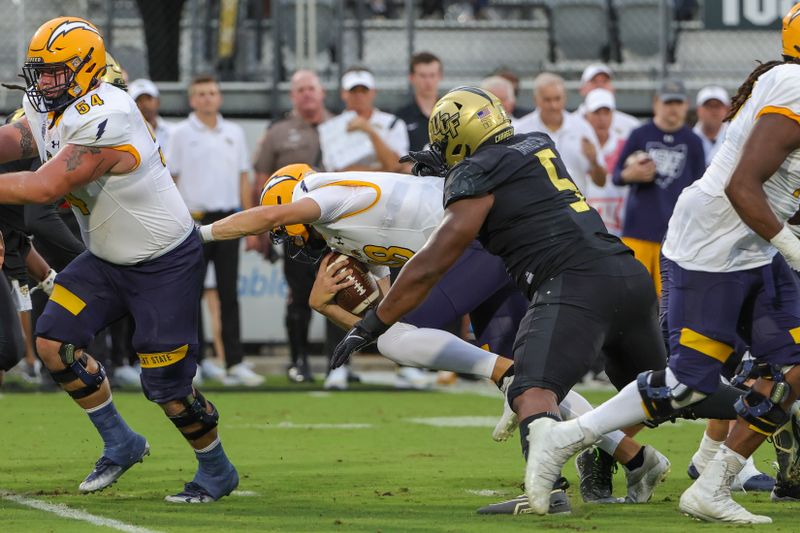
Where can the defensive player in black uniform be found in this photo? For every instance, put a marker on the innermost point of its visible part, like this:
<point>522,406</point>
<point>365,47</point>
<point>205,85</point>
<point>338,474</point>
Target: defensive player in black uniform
<point>587,291</point>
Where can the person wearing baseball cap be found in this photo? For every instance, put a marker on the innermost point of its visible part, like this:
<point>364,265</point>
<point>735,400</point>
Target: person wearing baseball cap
<point>713,103</point>
<point>145,93</point>
<point>387,132</point>
<point>658,161</point>
<point>598,76</point>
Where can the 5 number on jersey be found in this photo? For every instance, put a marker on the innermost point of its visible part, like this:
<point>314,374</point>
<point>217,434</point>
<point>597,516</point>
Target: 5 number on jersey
<point>546,157</point>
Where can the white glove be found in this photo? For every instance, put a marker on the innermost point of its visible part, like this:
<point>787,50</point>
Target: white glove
<point>47,283</point>
<point>789,247</point>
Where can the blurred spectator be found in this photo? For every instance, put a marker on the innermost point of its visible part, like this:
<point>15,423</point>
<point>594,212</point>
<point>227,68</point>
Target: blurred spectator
<point>609,200</point>
<point>161,21</point>
<point>573,136</point>
<point>295,140</point>
<point>510,75</point>
<point>503,90</point>
<point>713,104</point>
<point>209,161</point>
<point>145,94</point>
<point>658,161</point>
<point>386,133</point>
<point>425,75</point>
<point>598,76</point>
<point>432,9</point>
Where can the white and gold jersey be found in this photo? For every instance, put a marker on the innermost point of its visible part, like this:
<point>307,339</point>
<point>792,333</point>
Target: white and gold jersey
<point>380,218</point>
<point>124,218</point>
<point>705,232</point>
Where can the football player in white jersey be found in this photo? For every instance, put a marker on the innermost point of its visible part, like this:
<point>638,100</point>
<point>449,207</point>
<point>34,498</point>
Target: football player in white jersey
<point>143,256</point>
<point>732,268</point>
<point>383,219</point>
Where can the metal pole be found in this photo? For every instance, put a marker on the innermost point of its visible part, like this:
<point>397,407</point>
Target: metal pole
<point>340,39</point>
<point>663,36</point>
<point>410,33</point>
<point>276,11</point>
<point>194,37</point>
<point>108,33</point>
<point>360,30</point>
<point>312,34</point>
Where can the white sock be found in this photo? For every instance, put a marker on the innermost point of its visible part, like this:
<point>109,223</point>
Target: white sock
<point>708,448</point>
<point>749,470</point>
<point>725,452</point>
<point>622,411</point>
<point>435,349</point>
<point>574,405</point>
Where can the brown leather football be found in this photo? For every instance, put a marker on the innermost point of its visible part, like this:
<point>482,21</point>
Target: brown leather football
<point>363,293</point>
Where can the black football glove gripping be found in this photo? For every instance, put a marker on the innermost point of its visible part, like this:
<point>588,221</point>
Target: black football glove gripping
<point>426,163</point>
<point>365,332</point>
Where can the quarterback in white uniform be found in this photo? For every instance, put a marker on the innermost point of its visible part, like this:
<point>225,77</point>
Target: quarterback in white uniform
<point>143,256</point>
<point>732,268</point>
<point>383,219</point>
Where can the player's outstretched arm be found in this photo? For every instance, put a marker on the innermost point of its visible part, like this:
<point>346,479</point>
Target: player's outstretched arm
<point>16,142</point>
<point>73,166</point>
<point>771,140</point>
<point>257,220</point>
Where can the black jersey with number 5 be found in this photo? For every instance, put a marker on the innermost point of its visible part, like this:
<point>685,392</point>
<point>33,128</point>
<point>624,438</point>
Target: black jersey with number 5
<point>540,223</point>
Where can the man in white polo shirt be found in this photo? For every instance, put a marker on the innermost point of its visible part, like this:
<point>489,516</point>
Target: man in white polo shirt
<point>573,136</point>
<point>209,161</point>
<point>713,104</point>
<point>145,93</point>
<point>387,133</point>
<point>598,76</point>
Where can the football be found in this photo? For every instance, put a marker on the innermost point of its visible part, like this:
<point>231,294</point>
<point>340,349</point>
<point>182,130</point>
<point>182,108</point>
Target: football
<point>363,293</point>
<point>639,156</point>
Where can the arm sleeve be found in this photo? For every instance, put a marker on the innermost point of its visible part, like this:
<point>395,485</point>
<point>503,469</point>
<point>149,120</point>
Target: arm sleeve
<point>336,202</point>
<point>631,145</point>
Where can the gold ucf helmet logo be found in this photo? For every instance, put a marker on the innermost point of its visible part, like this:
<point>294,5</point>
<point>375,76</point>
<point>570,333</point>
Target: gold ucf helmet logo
<point>445,124</point>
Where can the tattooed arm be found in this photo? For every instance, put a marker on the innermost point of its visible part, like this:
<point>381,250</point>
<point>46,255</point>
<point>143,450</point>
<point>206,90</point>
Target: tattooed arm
<point>73,166</point>
<point>16,142</point>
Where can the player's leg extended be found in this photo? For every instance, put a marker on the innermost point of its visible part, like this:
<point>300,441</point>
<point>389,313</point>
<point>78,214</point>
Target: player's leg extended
<point>655,394</point>
<point>80,305</point>
<point>766,407</point>
<point>165,308</point>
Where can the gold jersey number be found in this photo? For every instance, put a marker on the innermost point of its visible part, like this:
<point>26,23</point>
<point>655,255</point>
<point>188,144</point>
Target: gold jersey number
<point>393,256</point>
<point>546,157</point>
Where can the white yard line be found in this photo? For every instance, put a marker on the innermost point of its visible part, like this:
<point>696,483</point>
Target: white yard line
<point>293,425</point>
<point>456,421</point>
<point>75,514</point>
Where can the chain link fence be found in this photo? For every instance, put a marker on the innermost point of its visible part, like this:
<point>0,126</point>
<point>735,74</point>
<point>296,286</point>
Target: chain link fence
<point>263,41</point>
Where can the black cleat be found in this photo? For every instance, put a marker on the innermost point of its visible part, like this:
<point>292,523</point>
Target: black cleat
<point>596,471</point>
<point>785,492</point>
<point>559,503</point>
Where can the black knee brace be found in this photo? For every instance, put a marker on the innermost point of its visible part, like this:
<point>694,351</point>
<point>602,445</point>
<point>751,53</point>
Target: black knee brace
<point>659,400</point>
<point>195,413</point>
<point>765,413</point>
<point>76,370</point>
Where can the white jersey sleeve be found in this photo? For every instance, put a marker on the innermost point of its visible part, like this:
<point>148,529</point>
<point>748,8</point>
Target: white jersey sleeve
<point>782,95</point>
<point>336,202</point>
<point>109,128</point>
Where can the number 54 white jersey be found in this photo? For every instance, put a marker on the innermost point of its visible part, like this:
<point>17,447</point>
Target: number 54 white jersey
<point>124,218</point>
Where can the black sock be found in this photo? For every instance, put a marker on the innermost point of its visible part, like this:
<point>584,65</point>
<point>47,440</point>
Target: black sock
<point>636,462</point>
<point>524,431</point>
<point>507,373</point>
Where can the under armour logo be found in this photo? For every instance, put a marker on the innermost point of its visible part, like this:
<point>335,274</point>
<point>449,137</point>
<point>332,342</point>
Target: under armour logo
<point>338,240</point>
<point>54,144</point>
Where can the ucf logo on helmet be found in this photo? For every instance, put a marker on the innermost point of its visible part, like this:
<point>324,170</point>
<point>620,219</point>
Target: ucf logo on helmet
<point>445,124</point>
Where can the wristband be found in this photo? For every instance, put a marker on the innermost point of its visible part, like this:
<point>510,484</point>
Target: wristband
<point>788,245</point>
<point>206,234</point>
<point>373,324</point>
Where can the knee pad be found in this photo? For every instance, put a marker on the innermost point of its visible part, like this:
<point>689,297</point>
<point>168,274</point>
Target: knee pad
<point>76,370</point>
<point>750,368</point>
<point>662,394</point>
<point>195,413</point>
<point>764,414</point>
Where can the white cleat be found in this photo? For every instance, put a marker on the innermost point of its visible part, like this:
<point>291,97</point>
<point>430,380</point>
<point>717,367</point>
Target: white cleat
<point>241,374</point>
<point>551,445</point>
<point>709,498</point>
<point>508,420</point>
<point>642,481</point>
<point>337,379</point>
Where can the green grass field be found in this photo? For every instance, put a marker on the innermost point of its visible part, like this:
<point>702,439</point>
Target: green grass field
<point>387,472</point>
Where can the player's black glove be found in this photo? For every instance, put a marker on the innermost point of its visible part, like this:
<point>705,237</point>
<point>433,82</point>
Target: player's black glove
<point>365,332</point>
<point>426,163</point>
